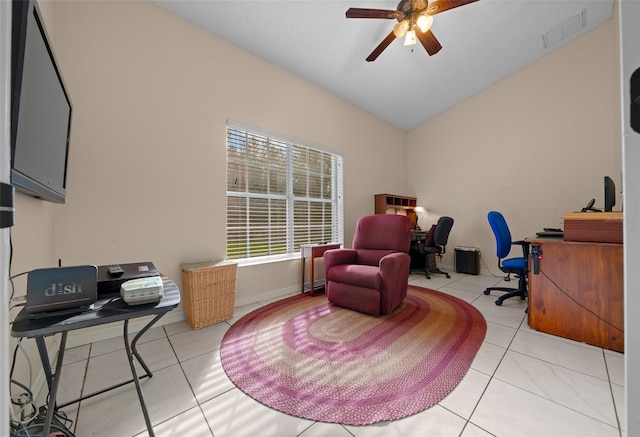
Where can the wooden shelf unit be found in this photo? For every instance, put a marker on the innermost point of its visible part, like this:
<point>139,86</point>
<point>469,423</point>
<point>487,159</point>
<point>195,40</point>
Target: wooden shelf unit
<point>392,204</point>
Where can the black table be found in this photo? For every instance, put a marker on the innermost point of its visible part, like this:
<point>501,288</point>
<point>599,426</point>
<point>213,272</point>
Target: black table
<point>107,309</point>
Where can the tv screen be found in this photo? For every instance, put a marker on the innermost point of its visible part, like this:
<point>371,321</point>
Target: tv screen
<point>40,109</point>
<point>609,194</point>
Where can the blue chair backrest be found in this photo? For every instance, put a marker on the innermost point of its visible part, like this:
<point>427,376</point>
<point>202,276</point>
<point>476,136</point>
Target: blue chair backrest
<point>501,232</point>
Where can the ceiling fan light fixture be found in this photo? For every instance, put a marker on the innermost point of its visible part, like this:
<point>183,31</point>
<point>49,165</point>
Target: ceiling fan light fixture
<point>412,16</point>
<point>424,22</point>
<point>410,38</point>
<point>400,29</point>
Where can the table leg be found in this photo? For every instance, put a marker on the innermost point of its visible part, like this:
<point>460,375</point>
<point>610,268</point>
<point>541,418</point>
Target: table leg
<point>53,380</point>
<point>303,269</point>
<point>133,351</point>
<point>44,358</point>
<point>311,274</point>
<point>134,342</point>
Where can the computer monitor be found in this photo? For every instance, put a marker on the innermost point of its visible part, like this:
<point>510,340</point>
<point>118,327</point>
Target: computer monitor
<point>609,194</point>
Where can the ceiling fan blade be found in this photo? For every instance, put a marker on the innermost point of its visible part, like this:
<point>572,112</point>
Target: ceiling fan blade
<point>372,13</point>
<point>383,45</point>
<point>429,42</point>
<point>437,6</point>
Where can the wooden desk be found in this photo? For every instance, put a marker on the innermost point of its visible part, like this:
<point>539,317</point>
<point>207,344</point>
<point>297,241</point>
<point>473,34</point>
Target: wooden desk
<point>578,292</point>
<point>311,252</point>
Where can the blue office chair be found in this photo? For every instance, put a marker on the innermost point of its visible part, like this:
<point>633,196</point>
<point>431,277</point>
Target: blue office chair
<point>518,266</point>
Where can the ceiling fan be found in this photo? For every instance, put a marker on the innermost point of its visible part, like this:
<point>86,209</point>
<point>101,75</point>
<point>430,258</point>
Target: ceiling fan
<point>415,18</point>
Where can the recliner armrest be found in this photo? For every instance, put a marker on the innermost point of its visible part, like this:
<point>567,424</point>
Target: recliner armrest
<point>391,265</point>
<point>336,257</point>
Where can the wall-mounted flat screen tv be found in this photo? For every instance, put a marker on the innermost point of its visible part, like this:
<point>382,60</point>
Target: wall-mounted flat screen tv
<point>40,109</point>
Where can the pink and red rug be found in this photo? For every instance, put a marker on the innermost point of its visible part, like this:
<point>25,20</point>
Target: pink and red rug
<point>308,358</point>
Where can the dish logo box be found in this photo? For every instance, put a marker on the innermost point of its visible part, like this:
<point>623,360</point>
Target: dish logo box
<point>61,288</point>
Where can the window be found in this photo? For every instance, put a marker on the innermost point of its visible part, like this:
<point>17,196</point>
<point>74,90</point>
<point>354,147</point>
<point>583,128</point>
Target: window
<point>280,194</point>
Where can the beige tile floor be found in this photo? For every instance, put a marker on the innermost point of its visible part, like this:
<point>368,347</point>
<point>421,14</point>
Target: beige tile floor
<point>521,383</point>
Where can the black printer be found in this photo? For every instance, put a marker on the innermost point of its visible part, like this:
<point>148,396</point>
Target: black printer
<point>109,283</point>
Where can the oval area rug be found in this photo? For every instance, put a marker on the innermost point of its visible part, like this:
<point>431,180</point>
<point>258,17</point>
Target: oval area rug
<point>308,358</point>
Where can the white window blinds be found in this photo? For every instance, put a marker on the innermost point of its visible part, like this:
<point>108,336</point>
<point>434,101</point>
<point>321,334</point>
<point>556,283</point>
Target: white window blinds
<point>279,195</point>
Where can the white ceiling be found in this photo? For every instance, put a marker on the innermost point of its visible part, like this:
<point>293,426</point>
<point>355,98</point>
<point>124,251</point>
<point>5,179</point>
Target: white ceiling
<point>483,42</point>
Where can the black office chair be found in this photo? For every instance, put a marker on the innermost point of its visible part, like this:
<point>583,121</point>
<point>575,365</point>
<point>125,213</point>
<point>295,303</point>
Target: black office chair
<point>438,246</point>
<point>517,266</point>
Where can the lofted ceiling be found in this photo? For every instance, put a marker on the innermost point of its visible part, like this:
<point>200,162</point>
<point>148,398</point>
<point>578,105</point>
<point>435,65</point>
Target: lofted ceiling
<point>482,43</point>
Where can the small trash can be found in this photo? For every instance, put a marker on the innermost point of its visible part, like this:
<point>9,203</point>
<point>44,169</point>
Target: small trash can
<point>467,260</point>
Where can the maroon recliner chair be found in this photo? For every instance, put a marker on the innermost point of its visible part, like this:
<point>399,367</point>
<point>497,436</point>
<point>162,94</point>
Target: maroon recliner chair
<point>373,276</point>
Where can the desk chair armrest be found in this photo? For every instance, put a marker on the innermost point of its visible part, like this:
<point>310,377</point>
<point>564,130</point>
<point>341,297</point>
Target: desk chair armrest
<point>525,247</point>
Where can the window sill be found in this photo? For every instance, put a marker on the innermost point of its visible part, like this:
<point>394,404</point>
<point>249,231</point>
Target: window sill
<point>246,262</point>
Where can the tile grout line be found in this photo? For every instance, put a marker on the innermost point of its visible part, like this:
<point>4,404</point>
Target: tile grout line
<point>491,378</point>
<point>613,399</point>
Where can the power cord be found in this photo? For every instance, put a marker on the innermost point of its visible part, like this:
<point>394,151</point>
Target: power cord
<point>579,304</point>
<point>25,401</point>
<point>506,278</point>
<point>23,416</point>
<point>13,288</point>
<point>36,431</point>
<point>13,360</point>
<point>59,425</point>
<point>27,420</point>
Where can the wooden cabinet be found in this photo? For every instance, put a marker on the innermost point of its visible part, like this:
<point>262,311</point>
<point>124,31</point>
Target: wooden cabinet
<point>392,204</point>
<point>578,292</point>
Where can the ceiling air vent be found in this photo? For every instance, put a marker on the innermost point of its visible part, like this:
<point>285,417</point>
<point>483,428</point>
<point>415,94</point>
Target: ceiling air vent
<point>565,29</point>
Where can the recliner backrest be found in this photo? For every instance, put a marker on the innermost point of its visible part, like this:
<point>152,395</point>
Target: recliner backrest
<point>501,232</point>
<point>371,257</point>
<point>380,234</point>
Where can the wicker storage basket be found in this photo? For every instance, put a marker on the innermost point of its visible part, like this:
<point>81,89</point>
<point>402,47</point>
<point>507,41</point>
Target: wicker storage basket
<point>209,291</point>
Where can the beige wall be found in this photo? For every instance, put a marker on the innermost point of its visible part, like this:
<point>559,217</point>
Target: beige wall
<point>533,146</point>
<point>151,96</point>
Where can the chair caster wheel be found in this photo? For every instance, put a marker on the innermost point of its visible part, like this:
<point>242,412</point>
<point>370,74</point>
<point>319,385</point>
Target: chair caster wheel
<point>499,302</point>
<point>448,275</point>
<point>487,292</point>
